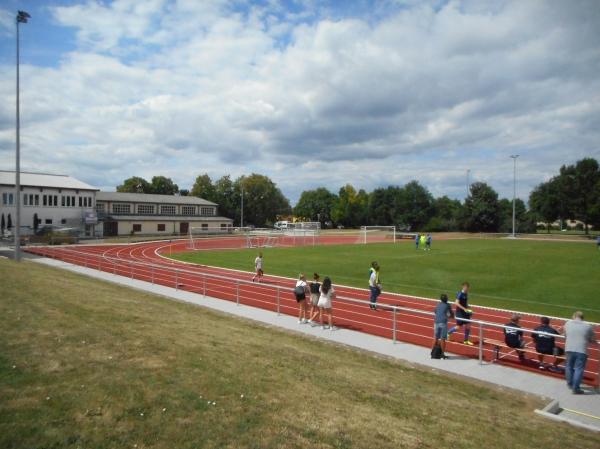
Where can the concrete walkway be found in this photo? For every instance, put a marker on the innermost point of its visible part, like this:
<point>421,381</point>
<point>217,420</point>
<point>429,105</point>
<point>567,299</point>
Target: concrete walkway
<point>581,408</point>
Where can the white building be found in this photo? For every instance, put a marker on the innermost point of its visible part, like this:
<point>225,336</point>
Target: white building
<point>140,213</point>
<point>52,200</point>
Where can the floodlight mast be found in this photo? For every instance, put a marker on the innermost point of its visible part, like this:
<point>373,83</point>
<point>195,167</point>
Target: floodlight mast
<point>514,158</point>
<point>22,17</point>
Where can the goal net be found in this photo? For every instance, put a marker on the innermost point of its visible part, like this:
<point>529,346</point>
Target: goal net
<point>195,233</point>
<point>377,234</point>
<point>263,238</point>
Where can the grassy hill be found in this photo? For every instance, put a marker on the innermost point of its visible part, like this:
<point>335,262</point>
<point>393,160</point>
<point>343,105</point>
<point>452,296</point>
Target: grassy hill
<point>546,277</point>
<point>89,364</point>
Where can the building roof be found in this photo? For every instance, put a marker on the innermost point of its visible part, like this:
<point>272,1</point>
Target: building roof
<point>44,180</point>
<point>151,198</point>
<point>164,218</point>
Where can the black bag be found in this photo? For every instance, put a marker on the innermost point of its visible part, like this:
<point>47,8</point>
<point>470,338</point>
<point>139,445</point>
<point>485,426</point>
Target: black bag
<point>436,352</point>
<point>314,287</point>
<point>300,292</point>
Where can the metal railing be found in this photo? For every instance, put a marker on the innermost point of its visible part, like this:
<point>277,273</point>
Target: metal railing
<point>232,289</point>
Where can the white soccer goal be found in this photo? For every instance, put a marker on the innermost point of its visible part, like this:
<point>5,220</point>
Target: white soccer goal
<point>199,232</point>
<point>377,234</point>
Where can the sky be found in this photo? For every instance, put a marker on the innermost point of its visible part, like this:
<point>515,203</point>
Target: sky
<point>310,93</point>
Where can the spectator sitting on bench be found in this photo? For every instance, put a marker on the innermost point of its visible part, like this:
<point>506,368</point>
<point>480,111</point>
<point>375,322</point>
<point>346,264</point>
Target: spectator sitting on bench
<point>545,345</point>
<point>513,336</point>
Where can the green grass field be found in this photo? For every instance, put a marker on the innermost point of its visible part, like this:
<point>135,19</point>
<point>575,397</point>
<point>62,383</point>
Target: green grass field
<point>545,277</point>
<point>89,364</point>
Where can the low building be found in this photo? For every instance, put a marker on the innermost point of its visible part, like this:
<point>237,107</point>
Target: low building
<point>48,200</point>
<point>148,214</point>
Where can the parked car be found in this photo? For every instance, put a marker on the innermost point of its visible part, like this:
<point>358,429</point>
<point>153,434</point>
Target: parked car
<point>281,225</point>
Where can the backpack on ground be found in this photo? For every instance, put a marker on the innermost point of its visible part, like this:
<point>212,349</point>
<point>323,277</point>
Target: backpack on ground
<point>300,292</point>
<point>436,352</point>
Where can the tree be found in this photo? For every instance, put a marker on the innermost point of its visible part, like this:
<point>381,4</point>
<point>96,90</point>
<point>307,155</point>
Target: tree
<point>135,184</point>
<point>413,207</point>
<point>481,210</point>
<point>381,205</point>
<point>162,185</point>
<point>351,208</point>
<point>580,181</point>
<point>203,188</point>
<point>545,202</point>
<point>316,205</point>
<point>263,200</point>
<point>446,215</point>
<point>523,220</point>
<point>227,198</point>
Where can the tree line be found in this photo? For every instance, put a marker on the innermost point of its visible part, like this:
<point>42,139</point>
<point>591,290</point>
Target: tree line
<point>573,194</point>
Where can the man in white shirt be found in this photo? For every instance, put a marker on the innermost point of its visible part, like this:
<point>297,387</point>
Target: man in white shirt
<point>258,267</point>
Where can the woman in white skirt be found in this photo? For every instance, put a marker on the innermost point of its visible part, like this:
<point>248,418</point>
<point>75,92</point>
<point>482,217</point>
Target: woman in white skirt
<point>327,294</point>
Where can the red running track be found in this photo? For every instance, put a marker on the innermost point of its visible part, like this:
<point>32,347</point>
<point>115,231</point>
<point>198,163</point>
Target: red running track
<point>146,262</point>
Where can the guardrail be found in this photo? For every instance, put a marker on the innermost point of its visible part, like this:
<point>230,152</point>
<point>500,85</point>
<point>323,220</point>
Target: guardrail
<point>223,287</point>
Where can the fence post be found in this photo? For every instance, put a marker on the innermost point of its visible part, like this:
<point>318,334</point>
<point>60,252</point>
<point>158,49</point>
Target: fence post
<point>204,284</point>
<point>394,327</point>
<point>152,274</point>
<point>237,292</point>
<point>85,261</point>
<point>480,344</point>
<point>131,269</point>
<point>176,279</point>
<point>278,302</point>
<point>114,268</point>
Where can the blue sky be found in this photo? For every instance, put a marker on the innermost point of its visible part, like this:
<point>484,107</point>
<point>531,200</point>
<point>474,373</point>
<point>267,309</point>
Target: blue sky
<point>310,93</point>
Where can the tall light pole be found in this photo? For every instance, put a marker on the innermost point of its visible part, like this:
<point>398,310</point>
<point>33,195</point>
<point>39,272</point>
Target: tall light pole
<point>22,17</point>
<point>242,214</point>
<point>514,158</point>
<point>468,184</point>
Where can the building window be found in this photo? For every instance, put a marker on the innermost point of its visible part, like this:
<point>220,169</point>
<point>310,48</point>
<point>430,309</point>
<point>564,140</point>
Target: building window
<point>137,228</point>
<point>72,201</point>
<point>99,207</point>
<point>167,210</point>
<point>188,210</point>
<point>37,199</point>
<point>207,211</point>
<point>62,201</point>
<point>121,208</point>
<point>145,209</point>
<point>223,226</point>
<point>48,221</point>
<point>80,202</point>
<point>204,225</point>
<point>25,203</point>
<point>7,199</point>
<point>160,227</point>
<point>45,200</point>
<point>63,221</point>
<point>56,200</point>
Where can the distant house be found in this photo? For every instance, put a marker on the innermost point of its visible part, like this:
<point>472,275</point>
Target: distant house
<point>48,200</point>
<point>140,213</point>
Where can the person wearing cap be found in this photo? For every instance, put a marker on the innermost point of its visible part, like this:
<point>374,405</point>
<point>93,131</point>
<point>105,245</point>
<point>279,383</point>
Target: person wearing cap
<point>579,336</point>
<point>513,335</point>
<point>545,344</point>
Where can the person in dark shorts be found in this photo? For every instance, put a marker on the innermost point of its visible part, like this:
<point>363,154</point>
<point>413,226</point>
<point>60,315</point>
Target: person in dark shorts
<point>417,240</point>
<point>443,311</point>
<point>463,312</point>
<point>300,291</point>
<point>374,285</point>
<point>546,345</point>
<point>513,335</point>
<point>315,292</point>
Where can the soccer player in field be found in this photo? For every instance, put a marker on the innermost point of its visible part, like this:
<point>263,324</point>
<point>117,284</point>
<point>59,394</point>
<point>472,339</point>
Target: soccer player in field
<point>417,240</point>
<point>428,242</point>
<point>463,312</point>
<point>258,268</point>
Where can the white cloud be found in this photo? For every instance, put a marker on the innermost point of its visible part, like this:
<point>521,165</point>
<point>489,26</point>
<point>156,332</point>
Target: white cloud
<point>183,87</point>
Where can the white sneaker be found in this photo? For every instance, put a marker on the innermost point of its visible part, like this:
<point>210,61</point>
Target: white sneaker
<point>325,327</point>
<point>305,321</point>
<point>300,322</point>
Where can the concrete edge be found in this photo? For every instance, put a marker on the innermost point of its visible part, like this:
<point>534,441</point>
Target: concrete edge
<point>555,417</point>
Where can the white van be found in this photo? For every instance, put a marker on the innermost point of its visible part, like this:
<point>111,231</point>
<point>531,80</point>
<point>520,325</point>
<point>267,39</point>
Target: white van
<point>281,225</point>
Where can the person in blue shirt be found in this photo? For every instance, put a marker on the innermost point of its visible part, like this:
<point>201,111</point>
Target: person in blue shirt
<point>513,335</point>
<point>443,311</point>
<point>463,312</point>
<point>417,240</point>
<point>428,242</point>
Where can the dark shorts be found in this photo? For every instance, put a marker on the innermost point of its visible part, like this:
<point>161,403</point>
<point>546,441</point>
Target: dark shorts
<point>465,316</point>
<point>555,351</point>
<point>300,298</point>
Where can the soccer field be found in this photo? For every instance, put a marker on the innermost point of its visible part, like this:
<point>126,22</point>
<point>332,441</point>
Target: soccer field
<point>553,278</point>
